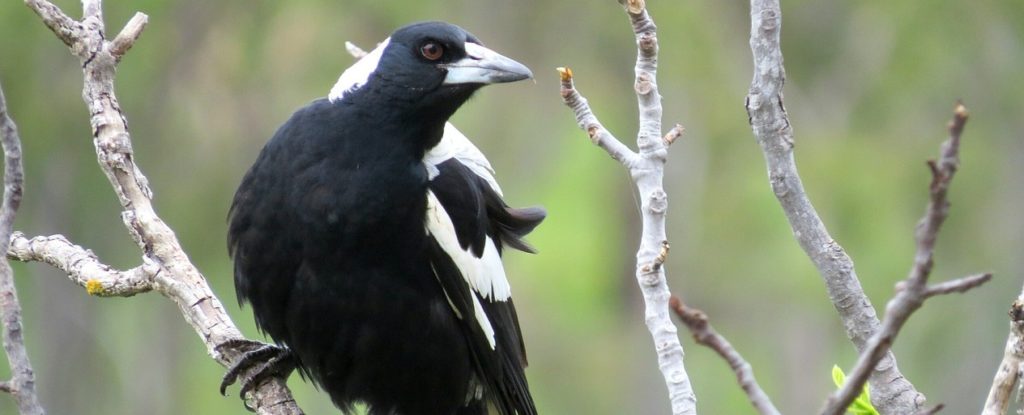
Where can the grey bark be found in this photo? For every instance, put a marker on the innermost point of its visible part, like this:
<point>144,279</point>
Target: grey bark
<point>647,167</point>
<point>166,268</point>
<point>892,393</point>
<point>22,384</point>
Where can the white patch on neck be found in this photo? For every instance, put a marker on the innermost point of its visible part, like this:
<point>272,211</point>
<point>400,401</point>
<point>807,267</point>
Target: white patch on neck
<point>453,143</point>
<point>356,75</point>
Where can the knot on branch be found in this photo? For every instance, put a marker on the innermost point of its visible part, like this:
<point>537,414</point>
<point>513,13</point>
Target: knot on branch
<point>648,44</point>
<point>673,134</point>
<point>117,144</point>
<point>592,132</point>
<point>644,84</point>
<point>753,101</point>
<point>770,19</point>
<point>661,258</point>
<point>1017,311</point>
<point>779,186</point>
<point>634,6</point>
<point>658,202</point>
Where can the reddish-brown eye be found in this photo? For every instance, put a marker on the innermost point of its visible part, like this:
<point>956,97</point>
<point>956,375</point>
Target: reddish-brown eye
<point>432,50</point>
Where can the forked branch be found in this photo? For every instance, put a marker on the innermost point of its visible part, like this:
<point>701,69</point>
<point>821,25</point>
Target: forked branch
<point>913,291</point>
<point>891,391</point>
<point>646,166</point>
<point>166,268</point>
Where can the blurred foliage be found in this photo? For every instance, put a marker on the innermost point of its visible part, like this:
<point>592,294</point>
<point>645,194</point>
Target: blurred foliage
<point>871,86</point>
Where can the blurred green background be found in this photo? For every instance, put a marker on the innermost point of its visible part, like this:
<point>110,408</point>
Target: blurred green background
<point>871,87</point>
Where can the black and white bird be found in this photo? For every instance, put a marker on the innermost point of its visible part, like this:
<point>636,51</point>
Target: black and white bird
<point>368,235</point>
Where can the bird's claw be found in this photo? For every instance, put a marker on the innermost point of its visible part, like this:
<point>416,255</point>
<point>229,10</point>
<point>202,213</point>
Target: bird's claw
<point>257,363</point>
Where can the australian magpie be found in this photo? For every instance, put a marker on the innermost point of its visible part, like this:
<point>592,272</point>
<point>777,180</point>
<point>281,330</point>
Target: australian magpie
<point>368,234</point>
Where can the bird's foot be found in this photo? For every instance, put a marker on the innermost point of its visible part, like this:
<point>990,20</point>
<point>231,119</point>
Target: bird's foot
<point>257,363</point>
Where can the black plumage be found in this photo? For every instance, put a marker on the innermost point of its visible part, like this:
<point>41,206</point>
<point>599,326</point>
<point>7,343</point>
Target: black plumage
<point>372,259</point>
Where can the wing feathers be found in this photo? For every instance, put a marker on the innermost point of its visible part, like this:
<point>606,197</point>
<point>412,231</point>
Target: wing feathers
<point>483,273</point>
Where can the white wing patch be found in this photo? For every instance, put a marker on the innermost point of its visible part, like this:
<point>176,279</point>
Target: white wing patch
<point>485,275</point>
<point>453,143</point>
<point>485,323</point>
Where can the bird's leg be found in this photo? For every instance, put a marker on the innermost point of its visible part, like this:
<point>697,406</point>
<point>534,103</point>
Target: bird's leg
<point>258,362</point>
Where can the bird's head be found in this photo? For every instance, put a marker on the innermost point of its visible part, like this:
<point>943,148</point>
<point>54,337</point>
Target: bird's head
<point>434,66</point>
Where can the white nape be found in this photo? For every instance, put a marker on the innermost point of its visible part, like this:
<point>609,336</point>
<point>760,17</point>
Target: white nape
<point>356,75</point>
<point>453,142</point>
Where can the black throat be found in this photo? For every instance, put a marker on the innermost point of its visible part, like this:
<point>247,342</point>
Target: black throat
<point>417,114</point>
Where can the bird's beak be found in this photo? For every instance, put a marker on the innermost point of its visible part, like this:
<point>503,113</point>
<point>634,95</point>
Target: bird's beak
<point>484,66</point>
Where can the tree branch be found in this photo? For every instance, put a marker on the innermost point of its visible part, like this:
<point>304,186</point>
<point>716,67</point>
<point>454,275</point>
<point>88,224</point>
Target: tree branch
<point>173,275</point>
<point>129,34</point>
<point>586,120</point>
<point>891,391</point>
<point>1009,372</point>
<point>647,169</point>
<point>960,285</point>
<point>354,50</point>
<point>913,291</point>
<point>23,380</point>
<point>82,266</point>
<point>704,334</point>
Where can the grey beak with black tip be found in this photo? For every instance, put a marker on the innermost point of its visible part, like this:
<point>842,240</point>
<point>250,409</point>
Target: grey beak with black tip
<point>484,66</point>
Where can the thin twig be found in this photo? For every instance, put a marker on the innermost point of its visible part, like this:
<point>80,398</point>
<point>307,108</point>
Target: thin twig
<point>354,50</point>
<point>704,334</point>
<point>647,167</point>
<point>173,275</point>
<point>131,32</point>
<point>23,380</point>
<point>891,391</point>
<point>912,292</point>
<point>586,119</point>
<point>960,285</point>
<point>674,134</point>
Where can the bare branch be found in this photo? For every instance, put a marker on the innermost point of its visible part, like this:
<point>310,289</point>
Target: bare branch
<point>1009,372</point>
<point>129,34</point>
<point>67,29</point>
<point>960,285</point>
<point>23,380</point>
<point>674,134</point>
<point>704,334</point>
<point>176,277</point>
<point>891,392</point>
<point>647,167</point>
<point>931,411</point>
<point>82,266</point>
<point>586,119</point>
<point>912,292</point>
<point>354,50</point>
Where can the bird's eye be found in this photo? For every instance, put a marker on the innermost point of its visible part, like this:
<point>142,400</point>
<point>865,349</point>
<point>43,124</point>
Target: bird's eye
<point>432,50</point>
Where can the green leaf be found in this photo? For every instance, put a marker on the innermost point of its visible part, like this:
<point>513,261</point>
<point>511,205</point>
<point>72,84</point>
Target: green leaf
<point>838,377</point>
<point>861,405</point>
